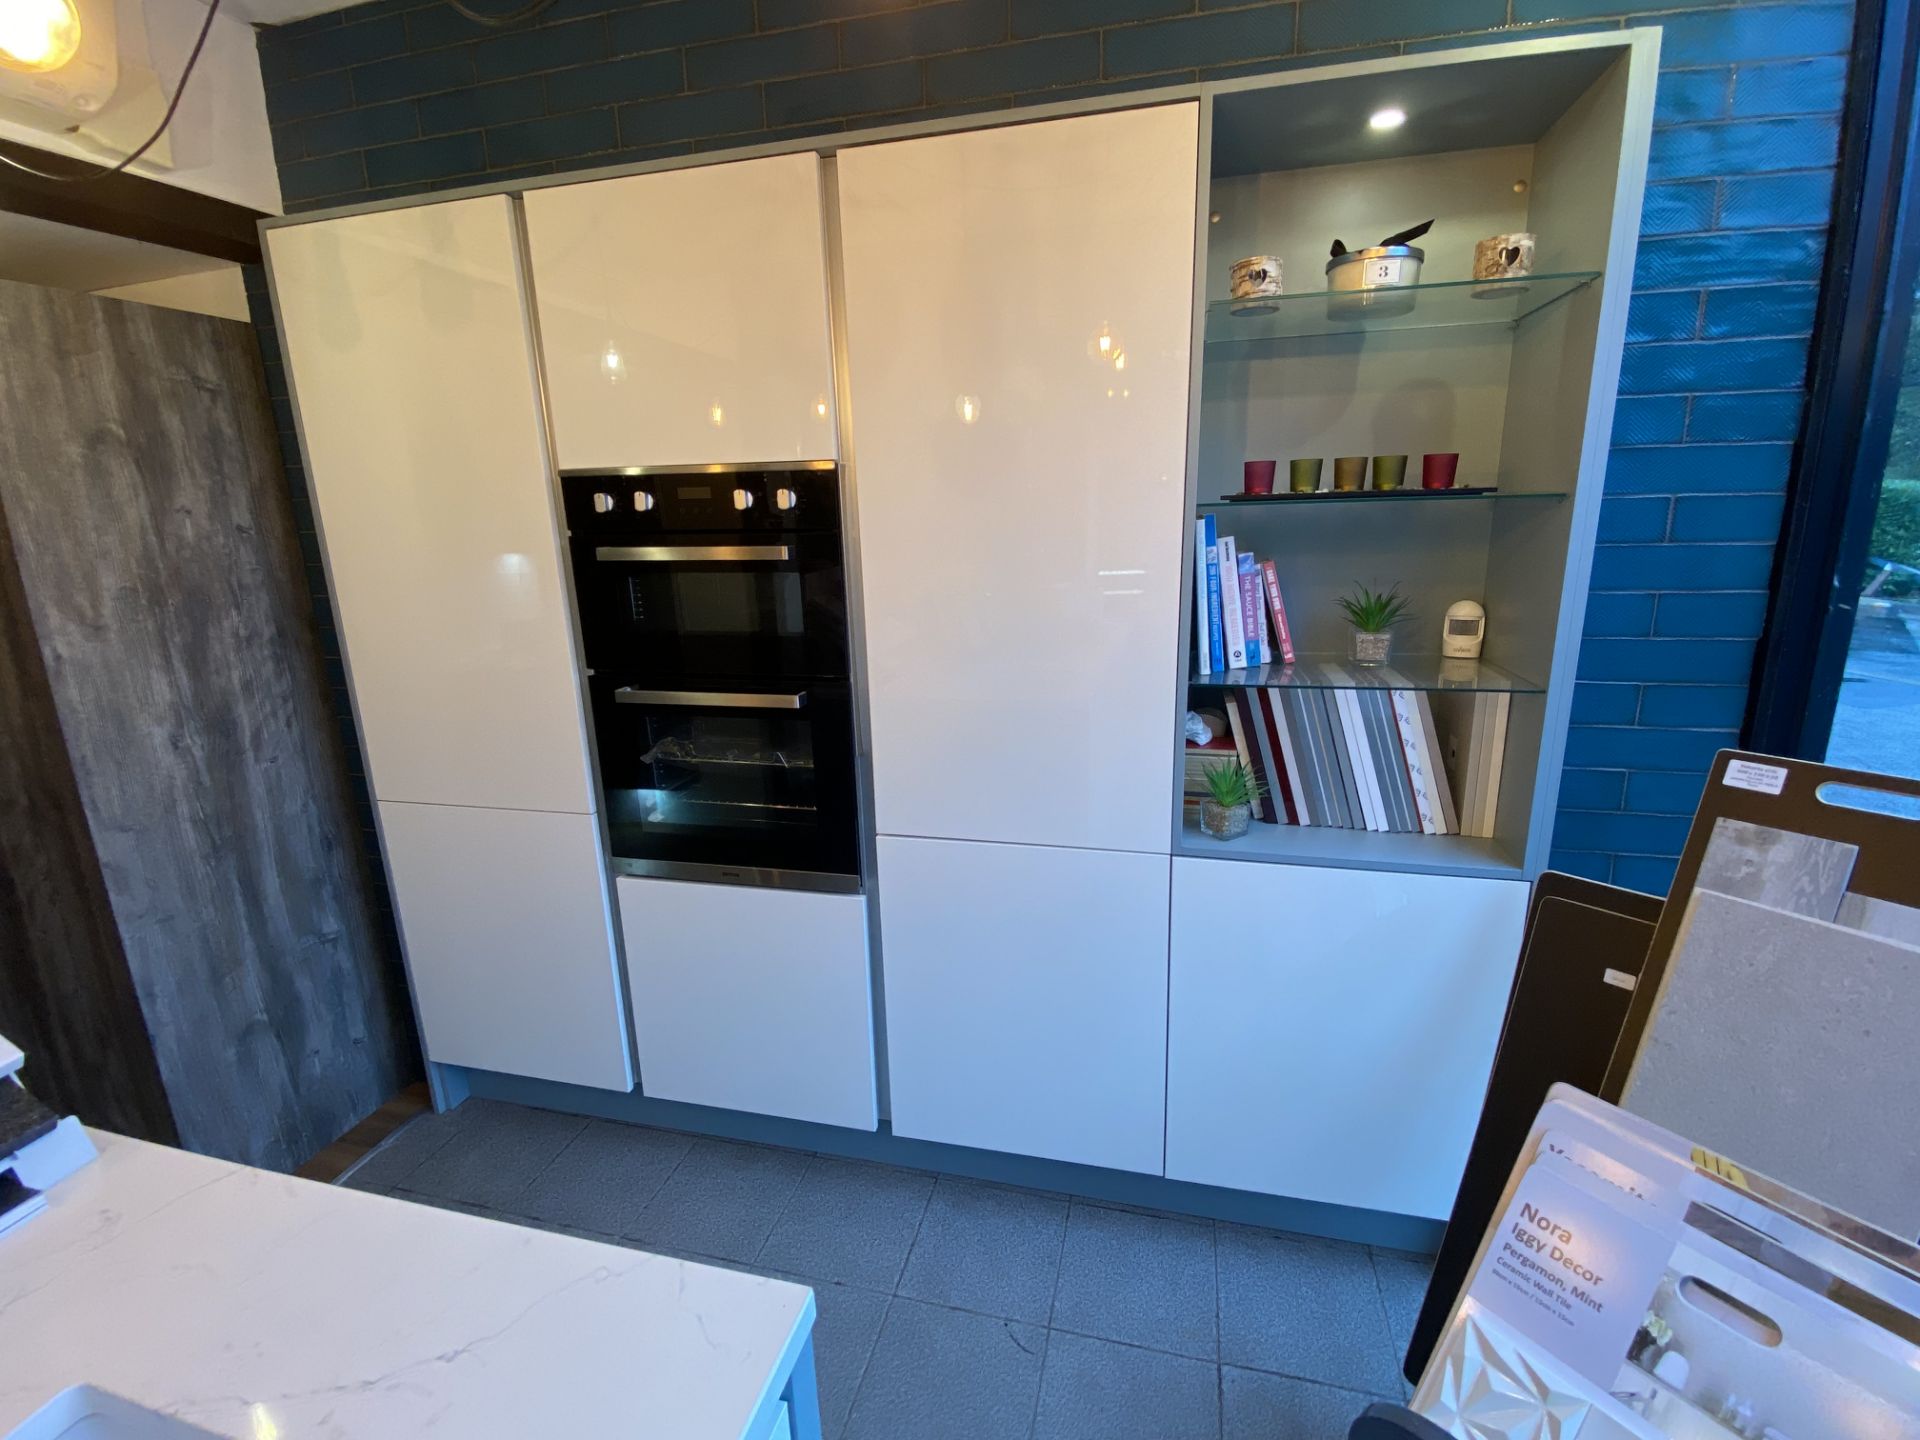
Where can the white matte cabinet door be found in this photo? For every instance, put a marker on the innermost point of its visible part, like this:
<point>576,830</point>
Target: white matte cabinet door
<point>752,999</point>
<point>412,363</point>
<point>1331,1031</point>
<point>1026,998</point>
<point>509,939</point>
<point>1019,311</point>
<point>683,316</point>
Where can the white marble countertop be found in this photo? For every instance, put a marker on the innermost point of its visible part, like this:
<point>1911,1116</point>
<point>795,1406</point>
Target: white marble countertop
<point>254,1305</point>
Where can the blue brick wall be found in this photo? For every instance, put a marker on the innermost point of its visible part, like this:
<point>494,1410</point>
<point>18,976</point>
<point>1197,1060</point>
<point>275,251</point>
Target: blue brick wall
<point>399,97</point>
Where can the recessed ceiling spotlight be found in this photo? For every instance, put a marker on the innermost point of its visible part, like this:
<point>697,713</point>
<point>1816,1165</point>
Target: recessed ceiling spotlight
<point>1391,118</point>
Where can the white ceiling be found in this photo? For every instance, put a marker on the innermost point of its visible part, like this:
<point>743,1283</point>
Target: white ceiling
<point>44,252</point>
<point>279,12</point>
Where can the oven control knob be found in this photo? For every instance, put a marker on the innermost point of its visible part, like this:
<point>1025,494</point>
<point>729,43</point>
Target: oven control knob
<point>743,499</point>
<point>785,499</point>
<point>602,503</point>
<point>643,500</point>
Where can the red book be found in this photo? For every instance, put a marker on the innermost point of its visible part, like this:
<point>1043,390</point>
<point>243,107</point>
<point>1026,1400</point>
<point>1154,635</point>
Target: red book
<point>1278,608</point>
<point>1282,780</point>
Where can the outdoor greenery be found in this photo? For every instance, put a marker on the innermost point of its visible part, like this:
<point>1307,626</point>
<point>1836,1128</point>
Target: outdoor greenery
<point>1896,535</point>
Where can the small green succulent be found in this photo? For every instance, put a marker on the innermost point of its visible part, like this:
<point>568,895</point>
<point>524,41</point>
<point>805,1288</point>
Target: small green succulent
<point>1231,783</point>
<point>1372,610</point>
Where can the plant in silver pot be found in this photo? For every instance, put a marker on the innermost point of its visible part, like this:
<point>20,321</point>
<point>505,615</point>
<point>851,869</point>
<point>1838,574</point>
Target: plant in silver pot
<point>1373,614</point>
<point>1228,808</point>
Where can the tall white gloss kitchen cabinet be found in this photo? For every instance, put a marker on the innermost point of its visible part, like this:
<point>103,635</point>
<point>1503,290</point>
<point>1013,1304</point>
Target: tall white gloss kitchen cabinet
<point>1019,318</point>
<point>752,999</point>
<point>407,337</point>
<point>1330,1034</point>
<point>683,316</point>
<point>1026,994</point>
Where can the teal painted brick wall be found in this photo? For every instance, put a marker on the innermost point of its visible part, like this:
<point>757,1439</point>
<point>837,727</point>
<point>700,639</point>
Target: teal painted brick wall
<point>401,97</point>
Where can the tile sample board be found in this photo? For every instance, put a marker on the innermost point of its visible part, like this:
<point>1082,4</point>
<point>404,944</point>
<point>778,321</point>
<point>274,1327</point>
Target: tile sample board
<point>1802,874</point>
<point>1788,1043</point>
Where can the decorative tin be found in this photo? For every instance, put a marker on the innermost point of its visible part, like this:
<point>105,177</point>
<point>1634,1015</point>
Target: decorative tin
<point>1357,277</point>
<point>1253,279</point>
<point>1503,257</point>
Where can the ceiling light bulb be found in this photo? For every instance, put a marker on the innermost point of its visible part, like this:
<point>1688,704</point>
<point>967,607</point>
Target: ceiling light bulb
<point>38,35</point>
<point>1391,118</point>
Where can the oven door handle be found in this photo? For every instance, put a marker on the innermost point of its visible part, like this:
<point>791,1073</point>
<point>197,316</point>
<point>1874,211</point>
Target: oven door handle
<point>669,554</point>
<point>715,699</point>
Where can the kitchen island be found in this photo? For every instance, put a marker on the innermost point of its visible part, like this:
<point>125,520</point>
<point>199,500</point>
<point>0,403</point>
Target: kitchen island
<point>255,1305</point>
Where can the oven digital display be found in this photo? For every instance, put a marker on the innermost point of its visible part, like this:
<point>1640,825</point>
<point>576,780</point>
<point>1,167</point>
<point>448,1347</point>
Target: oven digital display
<point>694,492</point>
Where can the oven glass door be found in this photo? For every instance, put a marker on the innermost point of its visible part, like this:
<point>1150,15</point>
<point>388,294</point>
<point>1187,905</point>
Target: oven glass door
<point>714,605</point>
<point>755,778</point>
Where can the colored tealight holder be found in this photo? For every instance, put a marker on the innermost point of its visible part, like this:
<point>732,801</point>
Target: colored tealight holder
<point>1258,477</point>
<point>1303,476</point>
<point>1350,472</point>
<point>1437,471</point>
<point>1389,472</point>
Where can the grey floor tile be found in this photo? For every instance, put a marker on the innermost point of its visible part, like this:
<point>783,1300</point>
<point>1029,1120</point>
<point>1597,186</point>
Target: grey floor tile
<point>939,1374</point>
<point>1100,1390</point>
<point>496,1151</point>
<point>843,1338</point>
<point>604,1178</point>
<point>1257,1406</point>
<point>1308,1308</point>
<point>721,1201</point>
<point>1140,1279</point>
<point>402,1152</point>
<point>849,1221</point>
<point>1403,1286</point>
<point>988,1248</point>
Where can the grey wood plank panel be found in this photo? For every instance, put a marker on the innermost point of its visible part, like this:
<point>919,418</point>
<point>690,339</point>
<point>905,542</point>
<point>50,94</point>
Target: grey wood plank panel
<point>1789,871</point>
<point>157,550</point>
<point>66,997</point>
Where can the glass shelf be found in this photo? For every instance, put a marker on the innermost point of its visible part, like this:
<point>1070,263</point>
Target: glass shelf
<point>1353,850</point>
<point>1379,497</point>
<point>1408,672</point>
<point>1399,307</point>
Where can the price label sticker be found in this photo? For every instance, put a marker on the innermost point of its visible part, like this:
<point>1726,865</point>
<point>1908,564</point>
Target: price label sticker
<point>1752,775</point>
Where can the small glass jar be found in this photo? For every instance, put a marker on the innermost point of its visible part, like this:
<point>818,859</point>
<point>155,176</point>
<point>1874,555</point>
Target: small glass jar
<point>1225,822</point>
<point>1372,647</point>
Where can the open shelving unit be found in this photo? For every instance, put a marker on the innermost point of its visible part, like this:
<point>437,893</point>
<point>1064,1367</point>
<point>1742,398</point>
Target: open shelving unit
<point>1515,375</point>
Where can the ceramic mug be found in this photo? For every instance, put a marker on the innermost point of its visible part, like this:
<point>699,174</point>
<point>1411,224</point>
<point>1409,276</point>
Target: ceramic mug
<point>1350,472</point>
<point>1503,257</point>
<point>1437,471</point>
<point>1254,277</point>
<point>1303,476</point>
<point>1258,477</point>
<point>1389,471</point>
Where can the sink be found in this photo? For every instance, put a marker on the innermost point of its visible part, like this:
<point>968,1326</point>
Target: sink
<point>82,1412</point>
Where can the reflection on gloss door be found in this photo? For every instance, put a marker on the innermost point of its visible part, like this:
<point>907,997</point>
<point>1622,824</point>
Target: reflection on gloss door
<point>713,615</point>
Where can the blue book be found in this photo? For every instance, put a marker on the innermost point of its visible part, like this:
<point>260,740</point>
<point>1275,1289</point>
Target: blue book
<point>1216,623</point>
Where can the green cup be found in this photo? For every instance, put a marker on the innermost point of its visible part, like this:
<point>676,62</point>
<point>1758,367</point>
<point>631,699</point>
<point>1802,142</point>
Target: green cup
<point>1350,472</point>
<point>1389,471</point>
<point>1304,475</point>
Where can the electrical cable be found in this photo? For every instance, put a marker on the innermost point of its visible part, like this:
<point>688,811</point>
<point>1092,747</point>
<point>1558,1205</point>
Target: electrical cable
<point>193,58</point>
<point>512,17</point>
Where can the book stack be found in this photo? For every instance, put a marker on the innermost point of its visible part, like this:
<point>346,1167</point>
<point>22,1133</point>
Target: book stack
<point>1366,758</point>
<point>1199,757</point>
<point>1238,611</point>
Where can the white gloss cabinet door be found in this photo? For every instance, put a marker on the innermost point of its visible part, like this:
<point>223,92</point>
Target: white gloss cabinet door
<point>1019,308</point>
<point>751,999</point>
<point>1331,1031</point>
<point>683,316</point>
<point>409,348</point>
<point>1026,998</point>
<point>509,939</point>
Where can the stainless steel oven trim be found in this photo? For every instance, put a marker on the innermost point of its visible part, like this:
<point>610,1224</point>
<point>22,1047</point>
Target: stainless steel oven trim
<point>718,699</point>
<point>739,875</point>
<point>671,554</point>
<point>768,467</point>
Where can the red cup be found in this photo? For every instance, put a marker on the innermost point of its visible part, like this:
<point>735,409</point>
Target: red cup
<point>1259,477</point>
<point>1437,471</point>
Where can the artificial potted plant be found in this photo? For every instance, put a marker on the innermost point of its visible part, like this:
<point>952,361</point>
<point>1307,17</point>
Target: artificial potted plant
<point>1373,614</point>
<point>1228,808</point>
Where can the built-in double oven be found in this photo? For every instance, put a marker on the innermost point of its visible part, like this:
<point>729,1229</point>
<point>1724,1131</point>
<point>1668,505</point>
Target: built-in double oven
<point>713,615</point>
